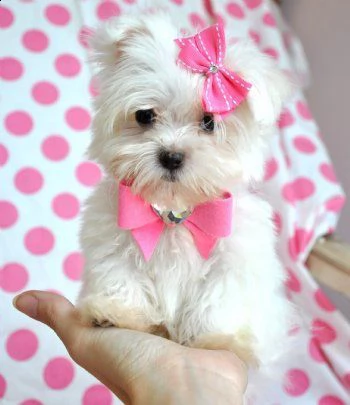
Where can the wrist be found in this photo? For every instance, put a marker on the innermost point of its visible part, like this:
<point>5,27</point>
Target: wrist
<point>193,380</point>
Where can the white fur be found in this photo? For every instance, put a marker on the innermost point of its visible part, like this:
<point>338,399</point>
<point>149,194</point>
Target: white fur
<point>240,287</point>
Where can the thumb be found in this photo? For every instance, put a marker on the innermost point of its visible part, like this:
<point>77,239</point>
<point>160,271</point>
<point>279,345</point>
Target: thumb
<point>86,346</point>
<point>52,309</point>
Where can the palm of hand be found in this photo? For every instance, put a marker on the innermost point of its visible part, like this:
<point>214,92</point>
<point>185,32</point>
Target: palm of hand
<point>138,367</point>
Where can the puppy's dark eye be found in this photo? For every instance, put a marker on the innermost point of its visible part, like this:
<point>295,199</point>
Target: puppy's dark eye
<point>145,117</point>
<point>207,123</point>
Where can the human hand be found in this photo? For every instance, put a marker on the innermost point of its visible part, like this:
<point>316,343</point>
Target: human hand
<point>138,367</point>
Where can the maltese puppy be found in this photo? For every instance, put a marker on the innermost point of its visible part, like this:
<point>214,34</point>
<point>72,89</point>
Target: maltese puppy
<point>175,242</point>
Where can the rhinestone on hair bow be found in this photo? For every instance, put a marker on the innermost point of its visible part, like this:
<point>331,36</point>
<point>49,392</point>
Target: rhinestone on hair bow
<point>204,53</point>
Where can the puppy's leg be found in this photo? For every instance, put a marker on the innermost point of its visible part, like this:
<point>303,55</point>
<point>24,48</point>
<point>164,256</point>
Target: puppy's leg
<point>230,322</point>
<point>217,318</point>
<point>115,294</point>
<point>210,332</point>
<point>106,310</point>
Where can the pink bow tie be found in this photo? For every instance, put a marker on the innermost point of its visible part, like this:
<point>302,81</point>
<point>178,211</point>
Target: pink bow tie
<point>207,223</point>
<point>204,53</point>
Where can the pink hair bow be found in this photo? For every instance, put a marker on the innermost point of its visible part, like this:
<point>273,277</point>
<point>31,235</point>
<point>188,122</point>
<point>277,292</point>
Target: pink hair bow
<point>204,53</point>
<point>207,223</point>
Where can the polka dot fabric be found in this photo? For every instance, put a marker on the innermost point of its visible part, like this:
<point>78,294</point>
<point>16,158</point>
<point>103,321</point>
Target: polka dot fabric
<point>46,92</point>
<point>45,117</point>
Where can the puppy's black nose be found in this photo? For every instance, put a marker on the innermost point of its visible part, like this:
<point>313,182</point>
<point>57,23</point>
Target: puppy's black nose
<point>171,160</point>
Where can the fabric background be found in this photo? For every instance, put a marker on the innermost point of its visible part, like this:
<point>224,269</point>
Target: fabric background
<point>45,114</point>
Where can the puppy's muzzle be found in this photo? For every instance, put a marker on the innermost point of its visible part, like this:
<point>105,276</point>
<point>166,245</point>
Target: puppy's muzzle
<point>171,160</point>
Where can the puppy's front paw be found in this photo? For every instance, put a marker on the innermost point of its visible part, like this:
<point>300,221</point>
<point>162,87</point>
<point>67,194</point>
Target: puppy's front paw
<point>101,324</point>
<point>240,343</point>
<point>104,311</point>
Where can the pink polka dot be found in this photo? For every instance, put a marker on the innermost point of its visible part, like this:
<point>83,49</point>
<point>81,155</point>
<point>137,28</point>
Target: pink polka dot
<point>58,373</point>
<point>8,214</point>
<point>66,206</point>
<point>107,9</point>
<point>335,204</point>
<point>35,41</point>
<point>299,242</point>
<point>304,144</point>
<point>251,4</point>
<point>39,241</point>
<point>88,174</point>
<point>73,266</point>
<point>272,52</point>
<point>286,119</point>
<point>97,394</point>
<point>235,10</point>
<point>269,19</point>
<point>57,14</point>
<point>10,68</point>
<point>31,402</point>
<point>323,301</point>
<point>18,123</point>
<point>3,384</point>
<point>4,155</point>
<point>84,36</point>
<point>277,220</point>
<point>45,93</point>
<point>22,345</point>
<point>78,118</point>
<point>177,2</point>
<point>29,180</point>
<point>322,331</point>
<point>13,277</point>
<point>6,17</point>
<point>255,36</point>
<point>298,190</point>
<point>346,380</point>
<point>328,173</point>
<point>55,148</point>
<point>303,110</point>
<point>67,65</point>
<point>271,167</point>
<point>293,283</point>
<point>330,400</point>
<point>316,351</point>
<point>196,21</point>
<point>296,382</point>
<point>129,1</point>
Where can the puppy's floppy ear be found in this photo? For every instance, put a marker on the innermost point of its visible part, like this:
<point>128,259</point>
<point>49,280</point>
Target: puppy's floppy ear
<point>107,39</point>
<point>270,86</point>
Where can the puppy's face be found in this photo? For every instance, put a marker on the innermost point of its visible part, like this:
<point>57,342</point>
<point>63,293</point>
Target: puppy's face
<point>150,129</point>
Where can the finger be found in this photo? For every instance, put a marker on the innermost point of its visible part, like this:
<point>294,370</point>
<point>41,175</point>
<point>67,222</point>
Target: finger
<point>53,310</point>
<point>60,315</point>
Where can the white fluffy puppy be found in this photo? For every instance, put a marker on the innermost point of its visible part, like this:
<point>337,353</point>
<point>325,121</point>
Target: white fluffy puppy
<point>150,132</point>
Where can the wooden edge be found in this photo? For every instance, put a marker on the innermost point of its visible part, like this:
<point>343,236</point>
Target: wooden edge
<point>329,263</point>
<point>333,251</point>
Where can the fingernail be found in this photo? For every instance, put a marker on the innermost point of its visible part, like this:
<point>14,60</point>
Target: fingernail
<point>26,303</point>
